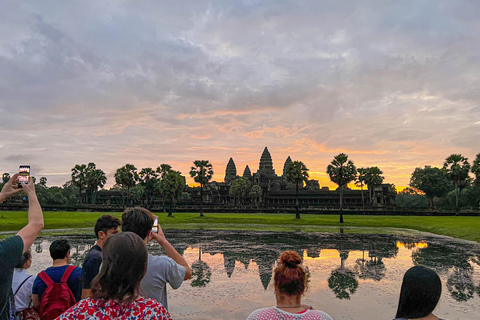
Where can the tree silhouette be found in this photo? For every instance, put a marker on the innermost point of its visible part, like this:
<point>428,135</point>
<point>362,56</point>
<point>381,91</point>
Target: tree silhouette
<point>343,283</point>
<point>297,173</point>
<point>172,184</point>
<point>460,283</point>
<point>432,181</point>
<point>361,181</point>
<point>201,172</point>
<point>127,177</point>
<point>201,272</point>
<point>373,176</point>
<point>341,171</point>
<point>457,168</point>
<point>149,181</point>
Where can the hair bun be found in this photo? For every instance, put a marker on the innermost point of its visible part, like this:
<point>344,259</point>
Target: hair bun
<point>291,259</point>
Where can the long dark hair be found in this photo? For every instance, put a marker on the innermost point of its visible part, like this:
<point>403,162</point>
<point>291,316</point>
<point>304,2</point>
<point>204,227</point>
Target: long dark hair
<point>421,290</point>
<point>124,263</point>
<point>290,277</point>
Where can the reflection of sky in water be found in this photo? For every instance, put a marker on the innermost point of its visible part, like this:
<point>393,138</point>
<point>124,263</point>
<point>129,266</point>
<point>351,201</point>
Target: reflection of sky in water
<point>351,276</point>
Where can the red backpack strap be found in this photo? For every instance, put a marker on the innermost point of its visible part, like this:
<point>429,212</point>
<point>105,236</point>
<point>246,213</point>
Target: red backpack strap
<point>67,273</point>
<point>44,276</point>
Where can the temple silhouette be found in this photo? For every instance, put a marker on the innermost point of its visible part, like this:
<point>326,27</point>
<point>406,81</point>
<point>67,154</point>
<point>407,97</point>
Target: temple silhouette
<point>277,192</point>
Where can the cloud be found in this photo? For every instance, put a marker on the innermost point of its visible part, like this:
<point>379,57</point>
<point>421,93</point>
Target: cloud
<point>392,84</point>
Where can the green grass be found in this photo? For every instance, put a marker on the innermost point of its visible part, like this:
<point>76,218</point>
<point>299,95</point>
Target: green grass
<point>467,228</point>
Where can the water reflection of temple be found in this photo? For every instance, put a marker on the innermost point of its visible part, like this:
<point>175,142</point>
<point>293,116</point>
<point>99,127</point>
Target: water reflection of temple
<point>262,249</point>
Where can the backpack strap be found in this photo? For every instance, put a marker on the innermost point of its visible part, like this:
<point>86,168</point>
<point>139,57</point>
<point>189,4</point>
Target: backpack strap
<point>67,273</point>
<point>21,284</point>
<point>44,276</point>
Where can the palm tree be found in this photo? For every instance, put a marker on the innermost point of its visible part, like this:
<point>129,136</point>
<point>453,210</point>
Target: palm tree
<point>297,173</point>
<point>341,171</point>
<point>361,181</point>
<point>95,178</point>
<point>457,167</point>
<point>201,172</point>
<point>149,181</point>
<point>127,177</point>
<point>373,176</point>
<point>79,178</point>
<point>476,169</point>
<point>172,184</point>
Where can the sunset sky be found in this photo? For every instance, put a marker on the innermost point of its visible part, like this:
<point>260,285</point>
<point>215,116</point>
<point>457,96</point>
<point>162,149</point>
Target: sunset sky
<point>394,84</point>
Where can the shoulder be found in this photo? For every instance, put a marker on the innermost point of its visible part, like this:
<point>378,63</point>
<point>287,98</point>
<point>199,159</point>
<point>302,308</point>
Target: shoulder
<point>320,315</point>
<point>11,247</point>
<point>80,307</point>
<point>152,309</point>
<point>260,313</point>
<point>93,255</point>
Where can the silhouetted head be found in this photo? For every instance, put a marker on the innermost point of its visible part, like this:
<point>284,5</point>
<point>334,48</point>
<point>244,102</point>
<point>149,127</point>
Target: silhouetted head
<point>124,262</point>
<point>59,249</point>
<point>25,261</point>
<point>137,220</point>
<point>421,290</point>
<point>290,277</point>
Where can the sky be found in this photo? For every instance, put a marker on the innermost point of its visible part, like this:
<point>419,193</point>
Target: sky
<point>393,84</point>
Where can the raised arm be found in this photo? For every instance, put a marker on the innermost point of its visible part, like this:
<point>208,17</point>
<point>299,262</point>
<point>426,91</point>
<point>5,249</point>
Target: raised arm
<point>35,217</point>
<point>171,252</point>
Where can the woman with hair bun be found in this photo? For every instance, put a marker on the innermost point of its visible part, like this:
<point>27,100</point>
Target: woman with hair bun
<point>290,283</point>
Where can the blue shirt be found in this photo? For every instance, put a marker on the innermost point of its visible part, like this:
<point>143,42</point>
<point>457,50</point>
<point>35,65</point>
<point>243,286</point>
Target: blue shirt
<point>74,282</point>
<point>91,266</point>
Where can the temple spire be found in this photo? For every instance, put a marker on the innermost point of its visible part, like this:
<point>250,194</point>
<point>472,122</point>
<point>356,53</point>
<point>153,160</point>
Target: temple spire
<point>230,171</point>
<point>266,163</point>
<point>285,166</point>
<point>247,173</point>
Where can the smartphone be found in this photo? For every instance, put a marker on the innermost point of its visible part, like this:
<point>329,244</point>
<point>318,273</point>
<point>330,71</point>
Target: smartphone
<point>24,176</point>
<point>155,225</point>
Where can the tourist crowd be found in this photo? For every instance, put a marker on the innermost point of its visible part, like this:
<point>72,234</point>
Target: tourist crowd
<point>121,280</point>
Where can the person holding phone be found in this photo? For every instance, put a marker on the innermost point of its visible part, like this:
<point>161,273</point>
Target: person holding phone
<point>172,268</point>
<point>11,249</point>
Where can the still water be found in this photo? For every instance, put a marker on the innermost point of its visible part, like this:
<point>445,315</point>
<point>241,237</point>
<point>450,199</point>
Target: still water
<point>352,276</point>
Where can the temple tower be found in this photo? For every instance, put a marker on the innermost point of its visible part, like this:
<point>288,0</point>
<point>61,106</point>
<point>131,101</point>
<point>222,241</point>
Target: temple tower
<point>266,163</point>
<point>287,163</point>
<point>247,173</point>
<point>230,171</point>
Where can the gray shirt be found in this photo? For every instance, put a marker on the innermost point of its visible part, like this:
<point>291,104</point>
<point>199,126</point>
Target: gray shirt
<point>160,270</point>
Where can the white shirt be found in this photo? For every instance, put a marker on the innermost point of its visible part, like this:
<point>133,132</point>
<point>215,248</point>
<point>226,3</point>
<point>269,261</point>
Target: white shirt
<point>23,297</point>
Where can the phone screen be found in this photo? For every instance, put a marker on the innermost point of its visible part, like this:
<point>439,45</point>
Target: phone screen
<point>24,174</point>
<point>155,225</point>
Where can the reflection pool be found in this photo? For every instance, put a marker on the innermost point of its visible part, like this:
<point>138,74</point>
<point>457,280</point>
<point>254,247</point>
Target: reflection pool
<point>352,276</point>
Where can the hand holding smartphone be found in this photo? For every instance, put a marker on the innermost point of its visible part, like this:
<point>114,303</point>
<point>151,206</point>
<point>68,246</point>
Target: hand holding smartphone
<point>24,175</point>
<point>155,225</point>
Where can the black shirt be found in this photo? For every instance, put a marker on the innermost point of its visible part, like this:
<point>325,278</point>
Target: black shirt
<point>11,250</point>
<point>91,266</point>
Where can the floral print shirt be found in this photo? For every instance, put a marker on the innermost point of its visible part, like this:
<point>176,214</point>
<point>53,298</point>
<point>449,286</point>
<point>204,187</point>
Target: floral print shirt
<point>91,309</point>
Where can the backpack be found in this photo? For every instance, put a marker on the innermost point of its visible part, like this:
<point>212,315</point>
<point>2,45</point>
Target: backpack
<point>58,297</point>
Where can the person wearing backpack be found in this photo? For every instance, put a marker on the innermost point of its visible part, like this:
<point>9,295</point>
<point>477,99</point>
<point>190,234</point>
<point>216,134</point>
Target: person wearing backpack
<point>59,287</point>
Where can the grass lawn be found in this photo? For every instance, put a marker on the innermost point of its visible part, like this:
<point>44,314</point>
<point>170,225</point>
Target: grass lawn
<point>467,228</point>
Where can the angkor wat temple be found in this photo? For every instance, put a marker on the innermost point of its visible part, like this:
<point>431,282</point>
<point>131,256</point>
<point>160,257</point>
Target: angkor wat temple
<point>277,192</point>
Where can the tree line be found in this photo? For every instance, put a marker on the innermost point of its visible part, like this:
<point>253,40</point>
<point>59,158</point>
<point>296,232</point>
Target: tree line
<point>455,185</point>
<point>450,186</point>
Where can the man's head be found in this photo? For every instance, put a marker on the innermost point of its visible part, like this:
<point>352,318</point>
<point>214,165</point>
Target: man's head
<point>138,220</point>
<point>105,226</point>
<point>60,249</point>
<point>25,261</point>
